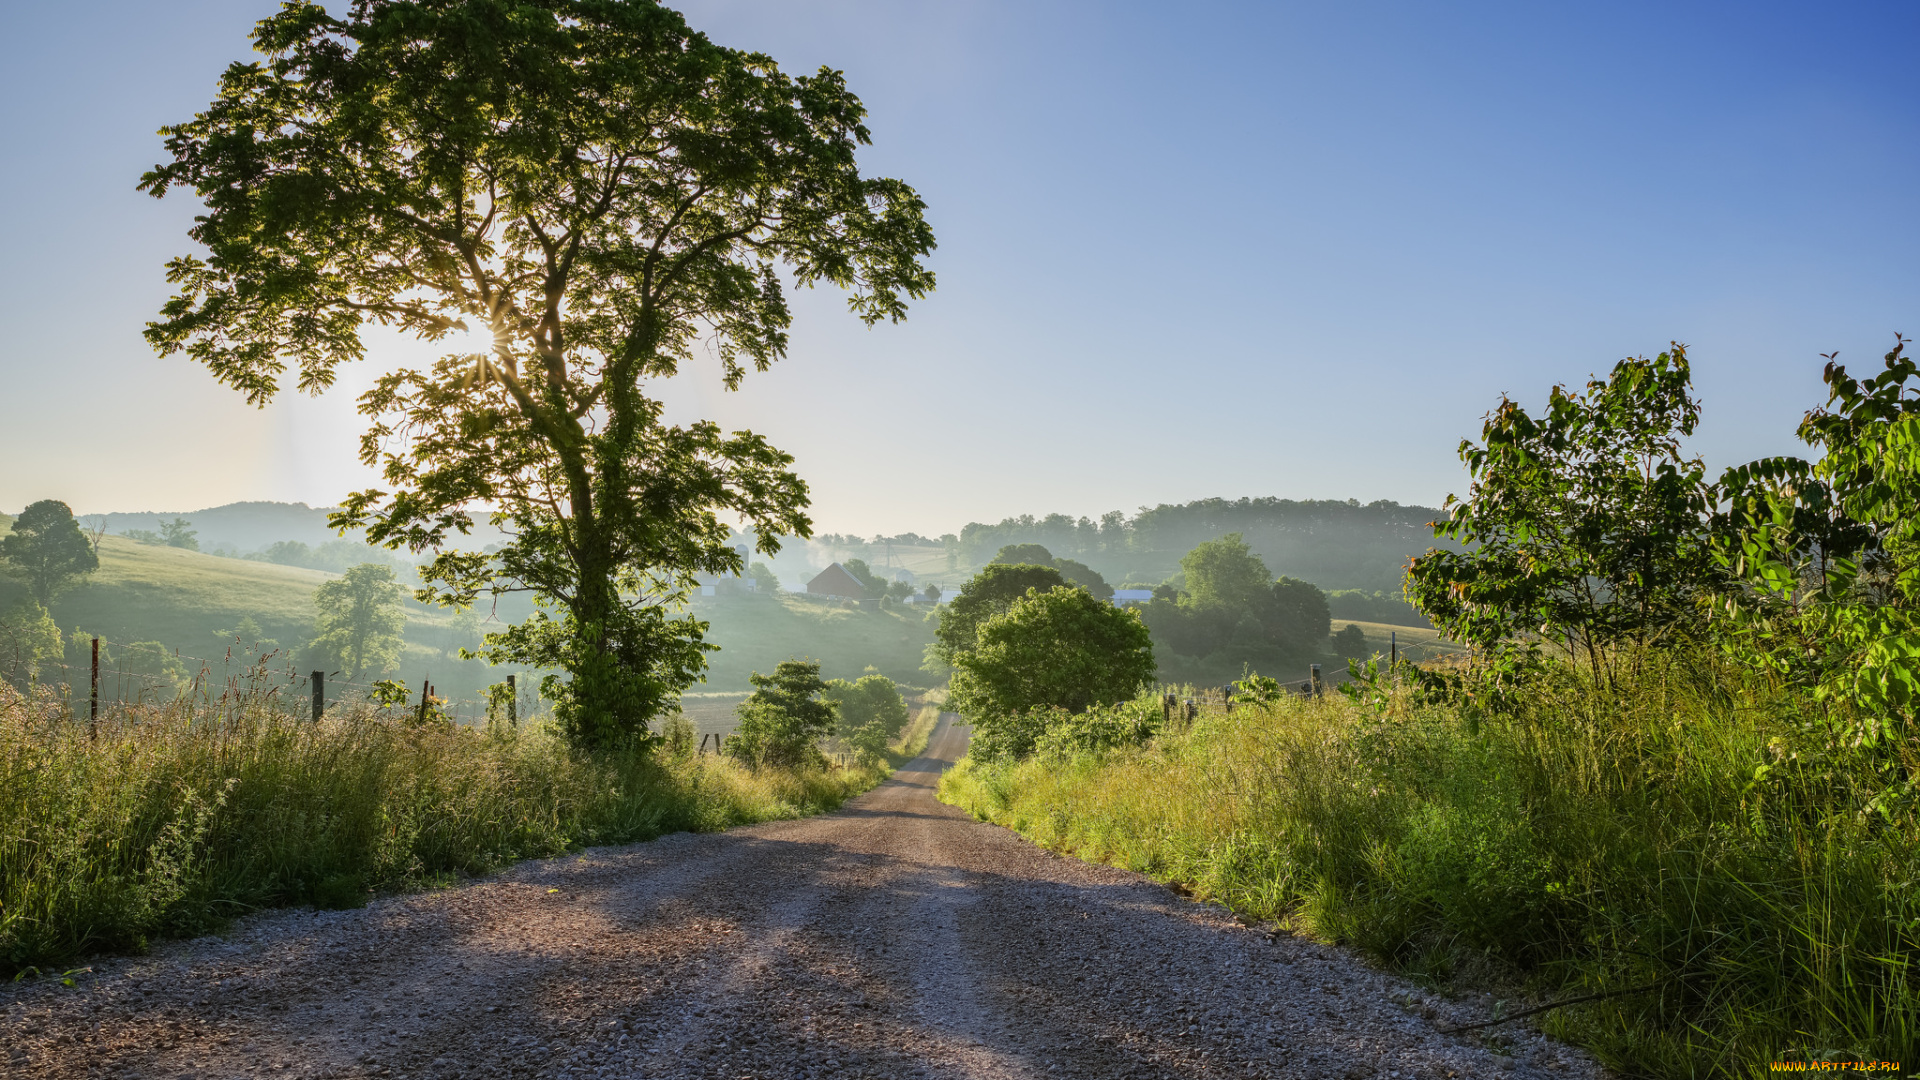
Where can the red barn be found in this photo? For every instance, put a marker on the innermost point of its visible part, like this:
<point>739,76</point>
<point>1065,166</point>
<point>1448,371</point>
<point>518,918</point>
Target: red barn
<point>835,581</point>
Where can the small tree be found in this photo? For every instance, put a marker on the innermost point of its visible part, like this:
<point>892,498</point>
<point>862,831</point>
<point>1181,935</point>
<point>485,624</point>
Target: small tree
<point>992,591</point>
<point>1350,643</point>
<point>1023,554</point>
<point>47,548</point>
<point>783,721</point>
<point>871,582</point>
<point>763,578</point>
<point>248,635</point>
<point>868,742</point>
<point>29,644</point>
<point>1059,649</point>
<point>872,698</point>
<point>361,620</point>
<point>1584,526</point>
<point>1079,573</point>
<point>179,533</point>
<point>1225,573</point>
<point>678,737</point>
<point>159,669</point>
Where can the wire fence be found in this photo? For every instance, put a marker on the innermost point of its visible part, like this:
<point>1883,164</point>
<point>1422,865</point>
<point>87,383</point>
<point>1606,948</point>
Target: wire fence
<point>145,673</point>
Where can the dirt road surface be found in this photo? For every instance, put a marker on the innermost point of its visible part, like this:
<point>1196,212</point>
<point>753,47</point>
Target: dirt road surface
<point>895,938</point>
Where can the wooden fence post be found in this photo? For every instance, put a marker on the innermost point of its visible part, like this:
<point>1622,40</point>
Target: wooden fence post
<point>513,704</point>
<point>423,702</point>
<point>319,695</point>
<point>93,702</point>
<point>1313,679</point>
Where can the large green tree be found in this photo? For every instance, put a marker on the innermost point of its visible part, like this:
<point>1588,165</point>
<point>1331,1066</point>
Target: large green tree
<point>361,620</point>
<point>605,194</point>
<point>47,548</point>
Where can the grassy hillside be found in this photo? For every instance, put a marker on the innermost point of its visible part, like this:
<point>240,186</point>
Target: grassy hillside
<point>1417,644</point>
<point>756,632</point>
<point>187,600</point>
<point>147,593</point>
<point>190,602</point>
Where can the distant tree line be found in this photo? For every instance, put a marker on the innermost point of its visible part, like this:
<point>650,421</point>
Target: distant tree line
<point>1337,545</point>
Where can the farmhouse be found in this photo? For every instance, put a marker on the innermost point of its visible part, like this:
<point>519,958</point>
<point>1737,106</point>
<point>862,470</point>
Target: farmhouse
<point>835,581</point>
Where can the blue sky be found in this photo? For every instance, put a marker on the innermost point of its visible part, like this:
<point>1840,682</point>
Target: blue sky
<point>1185,250</point>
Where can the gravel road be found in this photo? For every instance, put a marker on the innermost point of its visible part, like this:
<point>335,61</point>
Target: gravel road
<point>895,938</point>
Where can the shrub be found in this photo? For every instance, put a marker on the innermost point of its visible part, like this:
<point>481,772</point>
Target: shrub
<point>1694,842</point>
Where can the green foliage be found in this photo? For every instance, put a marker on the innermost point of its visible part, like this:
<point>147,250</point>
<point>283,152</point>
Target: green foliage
<point>360,621</point>
<point>1058,649</point>
<point>247,635</point>
<point>1829,553</point>
<point>1689,828</point>
<point>1351,643</point>
<point>334,556</point>
<point>1029,554</point>
<point>159,670</point>
<point>1586,526</point>
<point>868,580</point>
<point>1075,573</point>
<point>992,591</point>
<point>179,533</point>
<point>763,578</point>
<point>29,641</point>
<point>1225,573</point>
<point>784,719</point>
<point>389,694</point>
<point>1095,731</point>
<point>678,737</point>
<point>1256,689</point>
<point>871,699</point>
<point>47,548</point>
<point>868,742</point>
<point>1234,614</point>
<point>605,192</point>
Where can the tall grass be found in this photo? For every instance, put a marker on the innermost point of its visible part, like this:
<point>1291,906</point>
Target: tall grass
<point>1697,845</point>
<point>167,820</point>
